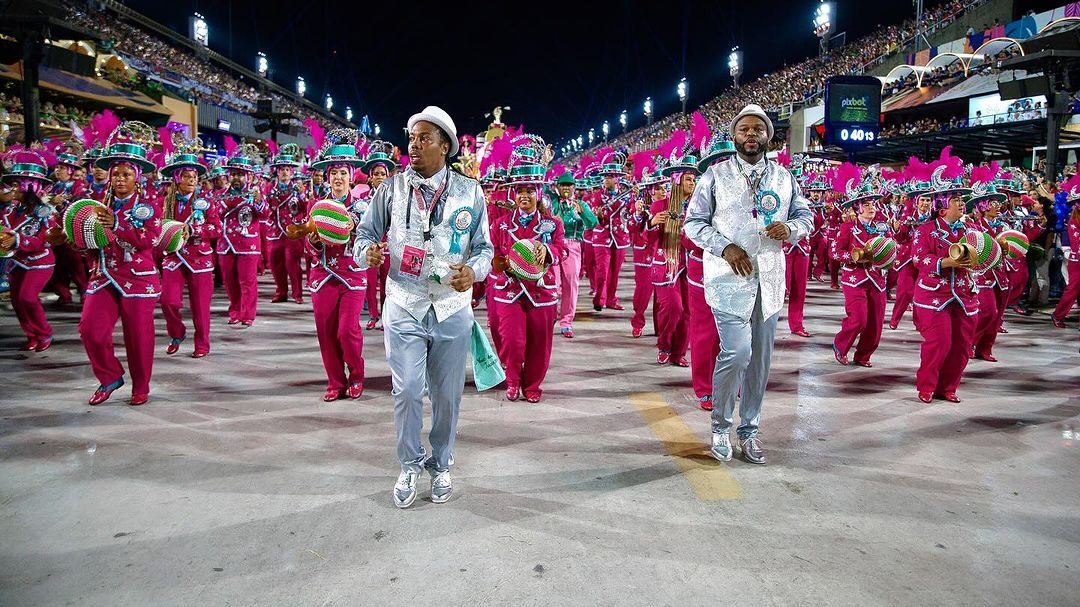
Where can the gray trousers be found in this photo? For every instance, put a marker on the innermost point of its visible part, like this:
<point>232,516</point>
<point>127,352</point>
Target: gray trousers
<point>742,366</point>
<point>427,355</point>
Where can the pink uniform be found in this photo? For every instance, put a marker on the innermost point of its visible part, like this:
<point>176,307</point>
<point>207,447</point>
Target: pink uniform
<point>124,284</point>
<point>611,240</point>
<point>906,272</point>
<point>864,292</point>
<point>238,253</point>
<point>819,246</point>
<point>284,207</point>
<point>192,265</point>
<point>796,274</point>
<point>527,309</point>
<point>643,261</point>
<point>70,264</point>
<point>945,309</point>
<point>993,294</point>
<point>337,287</point>
<point>704,337</point>
<point>33,263</point>
<point>669,280</point>
<point>1071,295</point>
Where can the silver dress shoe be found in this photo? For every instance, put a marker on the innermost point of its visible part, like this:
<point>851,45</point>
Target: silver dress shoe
<point>751,450</point>
<point>405,489</point>
<point>721,446</point>
<point>441,486</point>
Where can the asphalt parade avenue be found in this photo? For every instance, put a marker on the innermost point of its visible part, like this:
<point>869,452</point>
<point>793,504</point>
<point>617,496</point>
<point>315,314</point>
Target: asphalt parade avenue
<point>237,485</point>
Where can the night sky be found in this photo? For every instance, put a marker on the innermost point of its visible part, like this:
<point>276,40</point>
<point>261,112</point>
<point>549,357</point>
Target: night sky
<point>562,67</point>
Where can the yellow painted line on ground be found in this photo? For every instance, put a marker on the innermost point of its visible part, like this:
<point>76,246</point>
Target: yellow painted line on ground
<point>709,478</point>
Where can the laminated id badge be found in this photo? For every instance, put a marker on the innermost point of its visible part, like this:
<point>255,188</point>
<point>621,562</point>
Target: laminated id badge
<point>412,262</point>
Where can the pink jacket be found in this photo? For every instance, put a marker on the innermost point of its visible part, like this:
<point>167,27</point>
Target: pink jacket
<point>240,214</point>
<point>334,261</point>
<point>127,263</point>
<point>198,253</point>
<point>854,235</point>
<point>543,227</point>
<point>937,287</point>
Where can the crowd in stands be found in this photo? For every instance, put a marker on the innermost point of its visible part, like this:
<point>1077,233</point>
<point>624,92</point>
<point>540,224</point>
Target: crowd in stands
<point>158,60</point>
<point>804,81</point>
<point>54,113</point>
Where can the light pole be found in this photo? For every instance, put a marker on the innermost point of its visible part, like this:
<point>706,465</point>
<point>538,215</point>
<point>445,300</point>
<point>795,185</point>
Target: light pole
<point>683,90</point>
<point>301,86</point>
<point>329,102</point>
<point>591,136</point>
<point>824,24</point>
<point>262,66</point>
<point>348,113</point>
<point>648,110</point>
<point>734,64</point>
<point>606,129</point>
<point>198,30</point>
<point>622,121</point>
<point>377,129</point>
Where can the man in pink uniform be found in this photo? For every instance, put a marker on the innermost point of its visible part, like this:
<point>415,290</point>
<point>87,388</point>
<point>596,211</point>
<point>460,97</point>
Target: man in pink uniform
<point>378,165</point>
<point>611,237</point>
<point>193,263</point>
<point>916,213</point>
<point>992,287</point>
<point>284,207</point>
<point>238,247</point>
<point>70,264</point>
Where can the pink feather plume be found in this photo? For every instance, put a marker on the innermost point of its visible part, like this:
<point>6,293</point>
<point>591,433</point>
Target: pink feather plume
<point>165,138</point>
<point>674,145</point>
<point>844,176</point>
<point>699,131</point>
<point>272,147</point>
<point>230,146</point>
<point>984,173</point>
<point>954,165</point>
<point>917,170</point>
<point>318,135</point>
<point>644,163</point>
<point>783,158</point>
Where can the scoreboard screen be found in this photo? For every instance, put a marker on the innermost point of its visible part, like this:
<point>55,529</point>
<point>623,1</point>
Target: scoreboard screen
<point>852,111</point>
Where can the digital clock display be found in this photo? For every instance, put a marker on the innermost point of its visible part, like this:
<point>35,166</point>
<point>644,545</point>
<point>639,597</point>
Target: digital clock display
<point>852,111</point>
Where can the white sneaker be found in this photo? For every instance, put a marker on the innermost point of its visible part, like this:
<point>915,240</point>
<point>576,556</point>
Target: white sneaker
<point>405,489</point>
<point>721,446</point>
<point>441,486</point>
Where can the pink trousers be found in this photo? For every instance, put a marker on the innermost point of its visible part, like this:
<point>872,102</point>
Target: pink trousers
<point>200,291</point>
<point>526,342</point>
<point>99,315</point>
<point>864,308</point>
<point>947,336</point>
<point>796,277</point>
<point>240,275</point>
<point>26,286</point>
<point>337,325</point>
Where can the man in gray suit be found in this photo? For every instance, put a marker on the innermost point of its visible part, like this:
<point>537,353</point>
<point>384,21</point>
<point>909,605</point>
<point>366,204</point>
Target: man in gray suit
<point>740,213</point>
<point>436,229</point>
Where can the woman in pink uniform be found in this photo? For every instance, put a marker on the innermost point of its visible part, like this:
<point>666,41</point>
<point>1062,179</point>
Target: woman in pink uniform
<point>24,237</point>
<point>527,308</point>
<point>124,282</point>
<point>863,285</point>
<point>336,284</point>
<point>665,242</point>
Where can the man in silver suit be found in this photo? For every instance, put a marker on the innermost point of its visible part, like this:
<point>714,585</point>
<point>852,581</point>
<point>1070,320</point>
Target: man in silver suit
<point>740,213</point>
<point>435,222</point>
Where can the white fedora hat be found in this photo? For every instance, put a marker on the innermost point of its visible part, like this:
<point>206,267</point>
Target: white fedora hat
<point>752,110</point>
<point>438,116</point>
